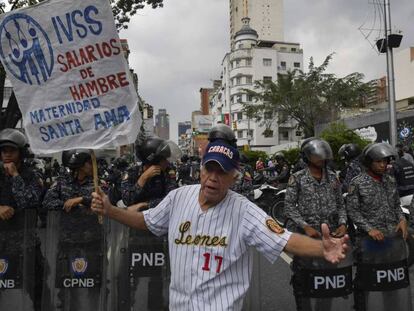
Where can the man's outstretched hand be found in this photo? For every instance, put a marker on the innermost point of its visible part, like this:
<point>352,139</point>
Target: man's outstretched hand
<point>334,249</point>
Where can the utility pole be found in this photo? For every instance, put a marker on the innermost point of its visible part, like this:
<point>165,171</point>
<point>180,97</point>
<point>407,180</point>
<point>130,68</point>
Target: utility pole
<point>390,75</point>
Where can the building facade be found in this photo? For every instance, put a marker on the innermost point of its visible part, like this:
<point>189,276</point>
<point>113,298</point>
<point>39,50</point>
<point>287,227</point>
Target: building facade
<point>266,18</point>
<point>253,60</point>
<point>162,124</point>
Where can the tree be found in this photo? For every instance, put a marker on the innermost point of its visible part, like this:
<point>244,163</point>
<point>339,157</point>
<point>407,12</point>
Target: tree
<point>123,10</point>
<point>310,98</point>
<point>338,134</point>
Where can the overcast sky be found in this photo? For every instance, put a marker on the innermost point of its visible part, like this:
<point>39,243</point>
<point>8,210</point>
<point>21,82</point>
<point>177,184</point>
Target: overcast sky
<point>179,48</point>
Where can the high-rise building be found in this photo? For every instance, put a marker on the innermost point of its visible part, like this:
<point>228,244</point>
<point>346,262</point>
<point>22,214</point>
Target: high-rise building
<point>266,17</point>
<point>183,127</point>
<point>162,124</point>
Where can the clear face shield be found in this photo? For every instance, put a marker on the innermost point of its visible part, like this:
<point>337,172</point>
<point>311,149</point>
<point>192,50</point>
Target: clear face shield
<point>169,151</point>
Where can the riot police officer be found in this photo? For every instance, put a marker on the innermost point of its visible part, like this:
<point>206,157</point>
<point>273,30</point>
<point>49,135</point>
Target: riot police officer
<point>353,167</point>
<point>184,171</point>
<point>148,183</point>
<point>313,196</point>
<point>404,174</point>
<point>282,169</point>
<point>75,237</point>
<point>20,196</point>
<point>374,207</point>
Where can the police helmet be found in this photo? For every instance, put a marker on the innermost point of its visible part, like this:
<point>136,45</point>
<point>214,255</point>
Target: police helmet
<point>75,158</point>
<point>349,152</point>
<point>121,163</point>
<point>222,132</point>
<point>13,138</point>
<point>316,147</point>
<point>377,151</point>
<point>279,157</point>
<point>184,158</point>
<point>243,158</point>
<point>154,149</point>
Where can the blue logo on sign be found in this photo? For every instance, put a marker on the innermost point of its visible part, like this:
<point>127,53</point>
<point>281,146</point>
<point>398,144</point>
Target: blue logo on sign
<point>405,132</point>
<point>25,49</point>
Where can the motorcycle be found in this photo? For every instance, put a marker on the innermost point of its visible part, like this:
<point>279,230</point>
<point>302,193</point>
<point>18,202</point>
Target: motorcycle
<point>270,197</point>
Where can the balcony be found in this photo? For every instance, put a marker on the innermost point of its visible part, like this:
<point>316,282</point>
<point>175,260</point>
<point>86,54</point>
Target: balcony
<point>241,53</point>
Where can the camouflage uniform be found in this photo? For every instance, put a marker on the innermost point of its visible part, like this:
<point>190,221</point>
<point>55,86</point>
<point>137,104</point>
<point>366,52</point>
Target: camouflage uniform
<point>352,170</point>
<point>184,174</point>
<point>244,185</point>
<point>74,234</point>
<point>373,204</point>
<point>17,235</point>
<point>20,192</point>
<point>66,187</point>
<point>309,202</point>
<point>153,191</point>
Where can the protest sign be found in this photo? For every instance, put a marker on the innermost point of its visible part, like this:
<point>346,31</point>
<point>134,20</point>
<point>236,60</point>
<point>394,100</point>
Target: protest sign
<point>71,79</point>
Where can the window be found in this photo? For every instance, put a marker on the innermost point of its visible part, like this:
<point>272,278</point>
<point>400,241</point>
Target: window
<point>283,135</point>
<point>251,134</point>
<point>248,62</point>
<point>267,79</point>
<point>283,65</point>
<point>241,45</point>
<point>293,49</point>
<point>239,134</point>
<point>249,79</point>
<point>268,133</point>
<point>238,63</point>
<point>267,62</point>
<point>296,65</point>
<point>282,48</point>
<point>238,80</point>
<point>238,98</point>
<point>249,98</point>
<point>238,115</point>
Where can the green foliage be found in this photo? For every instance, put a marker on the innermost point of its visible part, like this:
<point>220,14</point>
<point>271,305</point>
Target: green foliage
<point>291,155</point>
<point>254,155</point>
<point>310,98</point>
<point>337,134</point>
<point>123,10</point>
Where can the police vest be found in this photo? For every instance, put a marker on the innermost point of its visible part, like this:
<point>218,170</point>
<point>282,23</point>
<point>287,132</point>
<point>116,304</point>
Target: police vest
<point>404,173</point>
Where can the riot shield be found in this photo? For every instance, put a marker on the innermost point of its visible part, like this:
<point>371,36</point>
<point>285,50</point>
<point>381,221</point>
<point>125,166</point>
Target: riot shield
<point>117,239</point>
<point>382,279</point>
<point>321,286</point>
<point>75,277</point>
<point>17,265</point>
<point>143,275</point>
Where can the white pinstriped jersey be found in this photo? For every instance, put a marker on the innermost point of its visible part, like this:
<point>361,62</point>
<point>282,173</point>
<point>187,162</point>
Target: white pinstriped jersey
<point>209,258</point>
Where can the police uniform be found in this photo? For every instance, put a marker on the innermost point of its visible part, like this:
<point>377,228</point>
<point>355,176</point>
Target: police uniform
<point>78,239</point>
<point>184,173</point>
<point>351,171</point>
<point>309,202</point>
<point>244,185</point>
<point>22,192</point>
<point>153,191</point>
<point>374,204</point>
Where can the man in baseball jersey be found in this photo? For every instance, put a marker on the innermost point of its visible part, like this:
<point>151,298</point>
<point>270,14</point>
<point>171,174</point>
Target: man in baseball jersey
<point>210,229</point>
